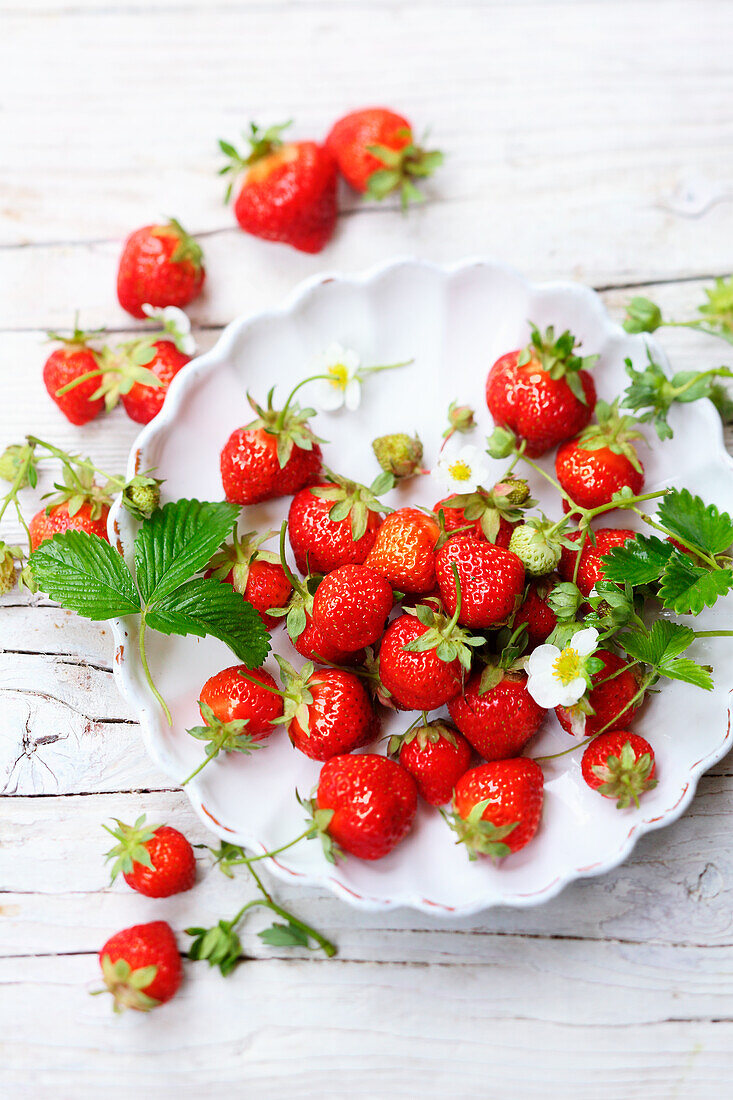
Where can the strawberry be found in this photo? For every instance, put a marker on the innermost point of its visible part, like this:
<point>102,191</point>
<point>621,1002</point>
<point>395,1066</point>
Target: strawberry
<point>155,860</point>
<point>273,456</point>
<point>289,191</point>
<point>88,517</point>
<point>327,711</point>
<point>436,755</point>
<point>72,363</point>
<point>160,265</point>
<point>611,701</point>
<point>333,523</point>
<point>489,515</point>
<point>143,402</point>
<point>543,393</point>
<point>372,803</point>
<point>376,154</point>
<point>620,765</point>
<point>601,461</point>
<point>536,612</point>
<point>351,606</point>
<point>422,659</point>
<point>496,713</point>
<point>255,573</point>
<point>491,581</point>
<point>141,966</point>
<point>498,806</point>
<point>238,693</point>
<point>399,454</point>
<point>404,550</point>
<point>597,543</point>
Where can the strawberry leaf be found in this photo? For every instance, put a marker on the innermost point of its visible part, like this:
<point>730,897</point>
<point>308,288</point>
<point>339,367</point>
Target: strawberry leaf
<point>687,588</point>
<point>695,522</point>
<point>660,648</point>
<point>284,935</point>
<point>177,541</point>
<point>84,573</point>
<point>641,560</point>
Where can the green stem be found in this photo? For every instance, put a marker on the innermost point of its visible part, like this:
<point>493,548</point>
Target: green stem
<point>714,633</point>
<point>146,669</point>
<point>246,860</point>
<point>206,760</point>
<point>582,744</point>
<point>454,618</point>
<point>297,586</point>
<point>671,534</point>
<point>326,945</point>
<point>81,463</point>
<point>82,378</point>
<point>384,366</point>
<point>279,423</point>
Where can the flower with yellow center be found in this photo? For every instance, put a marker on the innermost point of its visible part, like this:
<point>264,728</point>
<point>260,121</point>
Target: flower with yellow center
<point>342,385</point>
<point>560,677</point>
<point>464,470</point>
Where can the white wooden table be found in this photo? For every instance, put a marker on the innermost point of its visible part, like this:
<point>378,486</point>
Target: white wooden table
<point>585,139</point>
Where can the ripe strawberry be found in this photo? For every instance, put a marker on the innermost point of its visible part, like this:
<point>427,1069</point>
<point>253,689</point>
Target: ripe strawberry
<point>376,153</point>
<point>141,966</point>
<point>71,363</point>
<point>273,456</point>
<point>601,461</point>
<point>536,612</point>
<point>312,644</point>
<point>89,516</point>
<point>489,515</point>
<point>610,702</point>
<point>590,570</point>
<point>160,265</point>
<point>372,802</point>
<point>436,756</point>
<point>498,806</point>
<point>143,402</point>
<point>333,523</point>
<point>255,573</point>
<point>620,765</point>
<point>289,191</point>
<point>155,860</point>
<point>404,550</point>
<point>327,711</point>
<point>422,659</point>
<point>543,393</point>
<point>232,696</point>
<point>491,581</point>
<point>351,606</point>
<point>496,713</point>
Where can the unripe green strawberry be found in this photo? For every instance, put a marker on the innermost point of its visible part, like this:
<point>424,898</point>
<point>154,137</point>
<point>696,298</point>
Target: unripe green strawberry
<point>399,454</point>
<point>537,546</point>
<point>141,496</point>
<point>8,557</point>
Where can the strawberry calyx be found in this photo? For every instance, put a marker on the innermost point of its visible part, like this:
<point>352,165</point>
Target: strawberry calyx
<point>296,694</point>
<point>220,737</point>
<point>450,641</point>
<point>401,168</point>
<point>128,986</point>
<point>236,557</point>
<point>556,356</point>
<point>625,777</point>
<point>613,431</point>
<point>131,847</point>
<point>187,249</point>
<point>424,732</point>
<point>508,663</point>
<point>76,338</point>
<point>461,419</point>
<point>354,500</point>
<point>9,556</point>
<point>318,820</point>
<point>289,425</point>
<point>480,837</point>
<point>262,143</point>
<point>80,488</point>
<point>507,500</point>
<point>300,605</point>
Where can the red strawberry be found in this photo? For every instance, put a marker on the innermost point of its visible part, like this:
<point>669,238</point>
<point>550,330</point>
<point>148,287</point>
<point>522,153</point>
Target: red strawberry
<point>590,570</point>
<point>376,153</point>
<point>351,606</point>
<point>333,523</point>
<point>289,191</point>
<point>610,702</point>
<point>491,581</point>
<point>498,806</point>
<point>373,802</point>
<point>143,402</point>
<point>496,713</point>
<point>71,363</point>
<point>90,517</point>
<point>536,612</point>
<point>543,393</point>
<point>232,696</point>
<point>489,515</point>
<point>601,461</point>
<point>141,966</point>
<point>312,644</point>
<point>404,550</point>
<point>620,765</point>
<point>327,711</point>
<point>160,265</point>
<point>422,659</point>
<point>273,456</point>
<point>155,860</point>
<point>255,573</point>
<point>436,756</point>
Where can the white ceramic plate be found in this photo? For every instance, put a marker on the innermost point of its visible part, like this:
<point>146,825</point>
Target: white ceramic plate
<point>455,322</point>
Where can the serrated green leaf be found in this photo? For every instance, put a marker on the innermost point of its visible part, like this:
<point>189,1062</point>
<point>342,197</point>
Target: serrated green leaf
<point>283,935</point>
<point>639,561</point>
<point>687,588</point>
<point>661,647</point>
<point>84,573</point>
<point>177,541</point>
<point>696,522</point>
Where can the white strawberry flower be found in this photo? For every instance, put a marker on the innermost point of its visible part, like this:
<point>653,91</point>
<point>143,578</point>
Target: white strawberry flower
<point>560,677</point>
<point>174,322</point>
<point>462,470</point>
<point>342,385</point>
